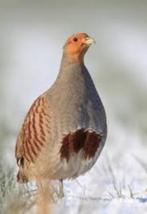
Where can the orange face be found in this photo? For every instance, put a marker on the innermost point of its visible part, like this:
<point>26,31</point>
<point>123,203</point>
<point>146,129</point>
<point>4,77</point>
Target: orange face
<point>77,45</point>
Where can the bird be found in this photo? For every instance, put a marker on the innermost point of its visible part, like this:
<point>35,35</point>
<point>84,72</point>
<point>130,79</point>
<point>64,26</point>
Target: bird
<point>65,129</point>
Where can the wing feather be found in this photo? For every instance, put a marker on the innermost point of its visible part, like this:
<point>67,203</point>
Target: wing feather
<point>34,132</point>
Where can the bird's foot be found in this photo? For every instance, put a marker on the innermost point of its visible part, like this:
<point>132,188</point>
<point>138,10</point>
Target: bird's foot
<point>61,189</point>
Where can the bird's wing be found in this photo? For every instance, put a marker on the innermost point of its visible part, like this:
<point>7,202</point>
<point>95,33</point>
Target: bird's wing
<point>34,132</point>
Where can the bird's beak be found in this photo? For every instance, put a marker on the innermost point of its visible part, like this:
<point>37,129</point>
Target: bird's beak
<point>89,41</point>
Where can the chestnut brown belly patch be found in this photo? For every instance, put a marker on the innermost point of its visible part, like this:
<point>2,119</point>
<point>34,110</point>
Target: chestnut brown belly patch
<point>81,139</point>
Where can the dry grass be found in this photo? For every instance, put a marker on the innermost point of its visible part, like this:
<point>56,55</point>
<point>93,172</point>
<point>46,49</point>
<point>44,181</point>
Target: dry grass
<point>12,199</point>
<point>119,187</point>
<point>23,199</point>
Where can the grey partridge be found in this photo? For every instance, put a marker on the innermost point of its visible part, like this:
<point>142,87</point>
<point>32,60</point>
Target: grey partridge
<point>65,129</point>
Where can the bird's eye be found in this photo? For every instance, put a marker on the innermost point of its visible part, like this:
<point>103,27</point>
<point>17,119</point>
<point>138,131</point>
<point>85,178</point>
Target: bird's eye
<point>75,39</point>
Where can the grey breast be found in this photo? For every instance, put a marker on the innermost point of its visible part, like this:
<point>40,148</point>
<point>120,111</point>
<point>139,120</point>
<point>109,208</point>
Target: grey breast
<point>76,103</point>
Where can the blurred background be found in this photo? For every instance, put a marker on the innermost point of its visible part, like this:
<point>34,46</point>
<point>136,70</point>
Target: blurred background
<point>32,34</point>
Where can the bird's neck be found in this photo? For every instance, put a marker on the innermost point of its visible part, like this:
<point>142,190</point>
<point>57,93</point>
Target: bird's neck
<point>70,66</point>
<point>72,59</point>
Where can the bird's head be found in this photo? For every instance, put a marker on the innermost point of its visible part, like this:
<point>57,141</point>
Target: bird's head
<point>77,45</point>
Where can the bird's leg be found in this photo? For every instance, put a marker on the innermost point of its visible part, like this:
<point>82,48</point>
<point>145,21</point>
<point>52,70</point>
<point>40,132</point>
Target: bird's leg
<point>44,197</point>
<point>61,188</point>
